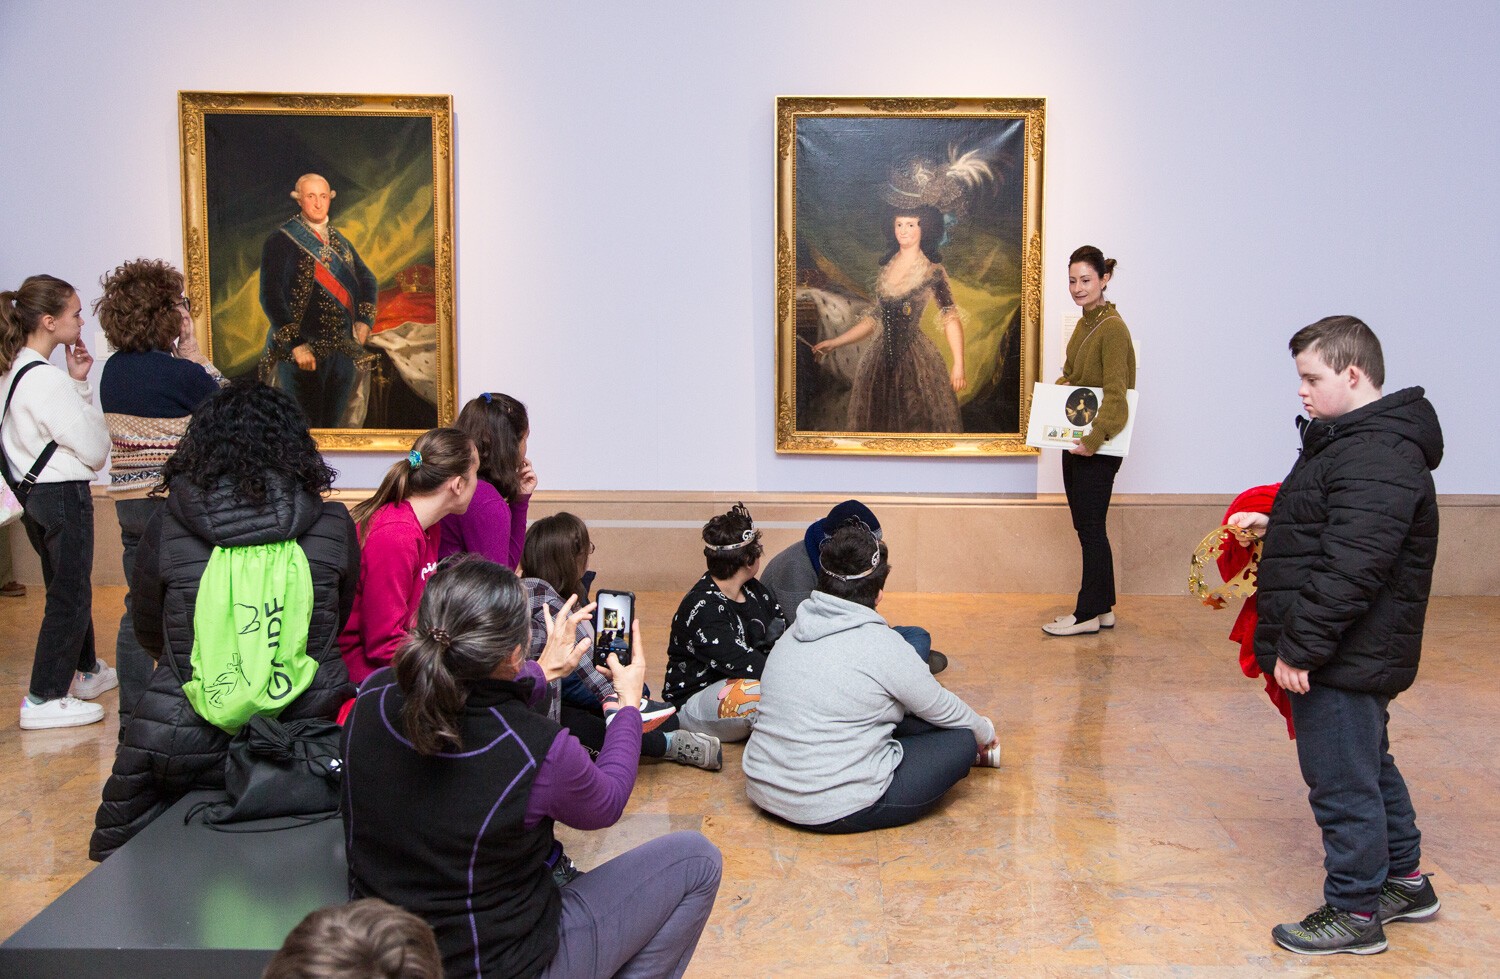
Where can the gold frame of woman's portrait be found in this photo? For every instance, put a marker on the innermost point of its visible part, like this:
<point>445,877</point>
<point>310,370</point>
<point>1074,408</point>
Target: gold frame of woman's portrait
<point>253,250</point>
<point>845,166</point>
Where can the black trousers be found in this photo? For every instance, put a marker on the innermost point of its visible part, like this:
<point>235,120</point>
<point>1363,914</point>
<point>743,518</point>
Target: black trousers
<point>1357,794</point>
<point>59,522</point>
<point>1089,481</point>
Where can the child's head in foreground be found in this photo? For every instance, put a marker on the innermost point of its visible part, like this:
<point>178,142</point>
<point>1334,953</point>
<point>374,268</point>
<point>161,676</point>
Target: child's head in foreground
<point>366,939</point>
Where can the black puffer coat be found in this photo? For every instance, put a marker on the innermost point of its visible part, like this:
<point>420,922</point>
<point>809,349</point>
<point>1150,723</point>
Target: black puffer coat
<point>168,750</point>
<point>1347,563</point>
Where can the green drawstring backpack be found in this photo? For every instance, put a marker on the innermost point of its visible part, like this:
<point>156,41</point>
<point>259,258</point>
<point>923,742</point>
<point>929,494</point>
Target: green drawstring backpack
<point>250,633</point>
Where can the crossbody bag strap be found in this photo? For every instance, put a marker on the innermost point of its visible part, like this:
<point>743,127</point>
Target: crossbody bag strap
<point>29,480</point>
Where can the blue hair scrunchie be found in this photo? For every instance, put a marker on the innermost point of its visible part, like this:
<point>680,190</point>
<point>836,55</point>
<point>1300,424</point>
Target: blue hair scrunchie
<point>414,458</point>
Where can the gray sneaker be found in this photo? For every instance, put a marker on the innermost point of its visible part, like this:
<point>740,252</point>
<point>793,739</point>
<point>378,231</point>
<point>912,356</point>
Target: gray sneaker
<point>699,750</point>
<point>1329,930</point>
<point>1399,900</point>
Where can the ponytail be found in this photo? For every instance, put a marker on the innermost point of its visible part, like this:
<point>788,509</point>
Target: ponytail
<point>436,457</point>
<point>21,312</point>
<point>434,696</point>
<point>474,613</point>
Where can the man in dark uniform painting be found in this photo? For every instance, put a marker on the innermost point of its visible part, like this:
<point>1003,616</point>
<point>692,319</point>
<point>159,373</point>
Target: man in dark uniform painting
<point>320,299</point>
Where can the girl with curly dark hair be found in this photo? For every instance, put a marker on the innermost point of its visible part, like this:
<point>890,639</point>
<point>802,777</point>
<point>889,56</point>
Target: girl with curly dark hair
<point>55,440</point>
<point>150,387</point>
<point>246,477</point>
<point>494,526</point>
<point>399,532</point>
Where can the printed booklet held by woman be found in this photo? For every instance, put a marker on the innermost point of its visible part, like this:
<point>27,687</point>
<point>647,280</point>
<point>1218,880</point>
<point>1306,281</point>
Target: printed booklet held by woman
<point>1061,413</point>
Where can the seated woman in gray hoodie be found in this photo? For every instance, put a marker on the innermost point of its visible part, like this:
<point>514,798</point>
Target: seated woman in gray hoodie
<point>879,747</point>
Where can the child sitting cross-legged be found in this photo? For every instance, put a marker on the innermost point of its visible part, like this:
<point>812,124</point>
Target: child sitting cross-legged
<point>853,732</point>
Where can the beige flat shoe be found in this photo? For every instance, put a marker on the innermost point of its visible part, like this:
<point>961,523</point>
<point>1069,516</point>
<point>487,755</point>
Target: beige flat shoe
<point>1107,620</point>
<point>1065,625</point>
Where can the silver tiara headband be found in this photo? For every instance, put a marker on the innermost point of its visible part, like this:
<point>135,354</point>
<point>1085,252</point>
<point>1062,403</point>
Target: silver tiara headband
<point>745,538</point>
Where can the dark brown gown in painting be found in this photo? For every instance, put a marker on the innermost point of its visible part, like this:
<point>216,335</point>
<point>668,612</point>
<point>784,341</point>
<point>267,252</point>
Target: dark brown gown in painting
<point>902,383</point>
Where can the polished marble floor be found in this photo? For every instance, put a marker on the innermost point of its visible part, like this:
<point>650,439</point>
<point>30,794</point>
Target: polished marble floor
<point>1148,818</point>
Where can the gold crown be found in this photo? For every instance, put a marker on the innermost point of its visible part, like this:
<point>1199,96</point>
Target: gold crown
<point>415,278</point>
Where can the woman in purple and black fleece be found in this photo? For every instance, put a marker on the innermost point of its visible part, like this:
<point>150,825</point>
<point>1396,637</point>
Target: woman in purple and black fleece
<point>452,784</point>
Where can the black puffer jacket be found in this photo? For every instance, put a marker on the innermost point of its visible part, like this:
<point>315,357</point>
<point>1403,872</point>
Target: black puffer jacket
<point>1347,564</point>
<point>168,750</point>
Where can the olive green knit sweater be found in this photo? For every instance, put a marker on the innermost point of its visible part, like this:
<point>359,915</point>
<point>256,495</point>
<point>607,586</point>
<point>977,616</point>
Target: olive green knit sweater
<point>1100,355</point>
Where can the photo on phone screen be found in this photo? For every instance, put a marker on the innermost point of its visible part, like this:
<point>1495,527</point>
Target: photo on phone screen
<point>614,612</point>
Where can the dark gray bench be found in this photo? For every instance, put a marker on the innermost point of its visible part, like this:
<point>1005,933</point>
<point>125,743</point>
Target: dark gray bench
<point>184,901</point>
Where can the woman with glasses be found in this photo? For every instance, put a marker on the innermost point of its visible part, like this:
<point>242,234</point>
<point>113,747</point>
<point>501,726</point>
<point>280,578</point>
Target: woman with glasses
<point>152,383</point>
<point>494,526</point>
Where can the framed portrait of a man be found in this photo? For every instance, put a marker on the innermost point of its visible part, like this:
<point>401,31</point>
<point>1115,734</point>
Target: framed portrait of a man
<point>319,253</point>
<point>908,274</point>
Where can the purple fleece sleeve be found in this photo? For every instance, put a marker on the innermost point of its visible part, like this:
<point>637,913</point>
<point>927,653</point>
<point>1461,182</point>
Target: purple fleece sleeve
<point>517,542</point>
<point>532,670</point>
<point>575,789</point>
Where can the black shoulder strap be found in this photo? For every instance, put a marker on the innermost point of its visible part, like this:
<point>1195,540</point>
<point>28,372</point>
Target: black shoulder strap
<point>29,480</point>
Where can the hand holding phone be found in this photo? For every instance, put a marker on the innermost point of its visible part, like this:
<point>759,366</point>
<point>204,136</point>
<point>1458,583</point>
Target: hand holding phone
<point>629,679</point>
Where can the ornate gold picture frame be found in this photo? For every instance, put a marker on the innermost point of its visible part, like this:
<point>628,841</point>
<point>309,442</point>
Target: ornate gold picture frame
<point>318,235</point>
<point>908,274</point>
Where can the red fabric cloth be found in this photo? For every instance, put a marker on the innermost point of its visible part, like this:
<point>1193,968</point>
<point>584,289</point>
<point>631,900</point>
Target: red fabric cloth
<point>1233,557</point>
<point>398,305</point>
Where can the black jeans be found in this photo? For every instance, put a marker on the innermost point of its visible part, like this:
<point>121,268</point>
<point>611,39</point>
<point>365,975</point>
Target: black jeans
<point>132,662</point>
<point>933,760</point>
<point>1358,796</point>
<point>59,522</point>
<point>1089,481</point>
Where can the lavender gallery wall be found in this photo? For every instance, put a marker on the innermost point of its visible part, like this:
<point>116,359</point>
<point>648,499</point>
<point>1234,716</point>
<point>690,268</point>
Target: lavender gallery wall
<point>1253,168</point>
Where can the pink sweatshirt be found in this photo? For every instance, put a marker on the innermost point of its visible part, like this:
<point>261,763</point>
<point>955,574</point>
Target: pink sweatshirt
<point>395,560</point>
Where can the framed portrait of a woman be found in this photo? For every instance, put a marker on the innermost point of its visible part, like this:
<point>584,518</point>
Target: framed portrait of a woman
<point>908,274</point>
<point>319,253</point>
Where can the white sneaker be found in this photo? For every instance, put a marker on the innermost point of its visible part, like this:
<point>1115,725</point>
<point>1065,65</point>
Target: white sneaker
<point>62,712</point>
<point>87,686</point>
<point>1066,625</point>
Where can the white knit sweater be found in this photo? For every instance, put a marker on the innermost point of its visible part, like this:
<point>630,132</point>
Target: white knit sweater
<point>50,406</point>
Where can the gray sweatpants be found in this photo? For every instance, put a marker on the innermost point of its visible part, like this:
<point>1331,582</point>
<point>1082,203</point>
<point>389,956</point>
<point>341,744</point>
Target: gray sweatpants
<point>641,913</point>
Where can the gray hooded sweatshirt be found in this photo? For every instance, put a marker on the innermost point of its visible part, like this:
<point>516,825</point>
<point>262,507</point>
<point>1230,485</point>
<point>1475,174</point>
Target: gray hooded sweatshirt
<point>835,687</point>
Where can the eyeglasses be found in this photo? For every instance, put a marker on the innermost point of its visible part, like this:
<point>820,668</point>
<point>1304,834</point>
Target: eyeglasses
<point>184,304</point>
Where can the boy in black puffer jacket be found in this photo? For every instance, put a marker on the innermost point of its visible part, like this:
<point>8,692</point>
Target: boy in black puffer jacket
<point>1343,583</point>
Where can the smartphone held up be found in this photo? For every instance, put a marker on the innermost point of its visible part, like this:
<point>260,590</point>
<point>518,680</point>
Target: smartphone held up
<point>614,611</point>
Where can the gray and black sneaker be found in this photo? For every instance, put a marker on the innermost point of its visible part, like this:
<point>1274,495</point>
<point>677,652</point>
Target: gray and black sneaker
<point>1329,930</point>
<point>699,750</point>
<point>1409,901</point>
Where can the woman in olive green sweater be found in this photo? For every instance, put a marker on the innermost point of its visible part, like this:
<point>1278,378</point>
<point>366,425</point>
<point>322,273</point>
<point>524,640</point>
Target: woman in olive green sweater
<point>1100,355</point>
